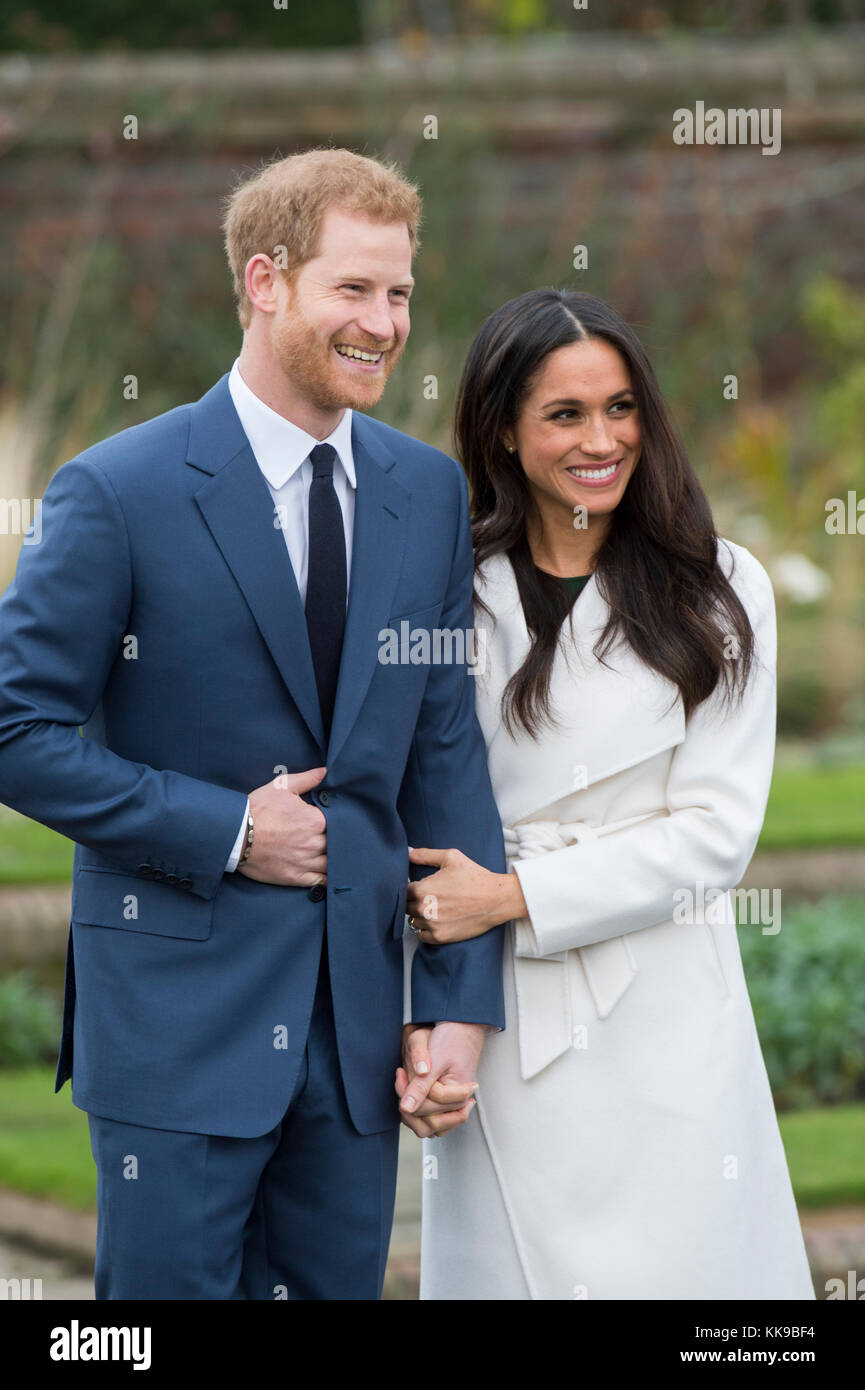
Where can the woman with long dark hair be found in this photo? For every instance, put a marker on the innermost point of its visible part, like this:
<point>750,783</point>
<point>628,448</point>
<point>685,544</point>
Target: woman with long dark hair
<point>625,1144</point>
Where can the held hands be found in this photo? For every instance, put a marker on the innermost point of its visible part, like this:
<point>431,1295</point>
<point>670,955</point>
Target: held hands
<point>289,845</point>
<point>462,900</point>
<point>436,1083</point>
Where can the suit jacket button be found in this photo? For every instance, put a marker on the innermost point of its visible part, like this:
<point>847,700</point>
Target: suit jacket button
<point>171,878</point>
<point>316,893</point>
<point>145,869</point>
<point>159,873</point>
<point>324,798</point>
<point>185,883</point>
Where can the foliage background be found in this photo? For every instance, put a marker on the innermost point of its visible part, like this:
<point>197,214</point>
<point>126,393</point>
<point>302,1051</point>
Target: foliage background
<point>551,132</point>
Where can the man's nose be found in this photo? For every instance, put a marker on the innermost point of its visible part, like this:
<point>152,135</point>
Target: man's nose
<point>377,320</point>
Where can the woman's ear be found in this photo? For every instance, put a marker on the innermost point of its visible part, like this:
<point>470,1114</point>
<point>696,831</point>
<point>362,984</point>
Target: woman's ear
<point>508,443</point>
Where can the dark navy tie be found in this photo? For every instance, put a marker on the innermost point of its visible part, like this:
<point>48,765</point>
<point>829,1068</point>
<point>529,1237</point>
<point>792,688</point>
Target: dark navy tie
<point>326,579</point>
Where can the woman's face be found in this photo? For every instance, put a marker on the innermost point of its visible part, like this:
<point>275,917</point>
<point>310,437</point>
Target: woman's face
<point>578,434</point>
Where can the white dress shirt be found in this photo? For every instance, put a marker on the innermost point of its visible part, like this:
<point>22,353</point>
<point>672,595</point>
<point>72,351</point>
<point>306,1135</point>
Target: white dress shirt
<point>282,451</point>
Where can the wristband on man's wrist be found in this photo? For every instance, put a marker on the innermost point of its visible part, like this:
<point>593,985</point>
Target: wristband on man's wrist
<point>250,832</point>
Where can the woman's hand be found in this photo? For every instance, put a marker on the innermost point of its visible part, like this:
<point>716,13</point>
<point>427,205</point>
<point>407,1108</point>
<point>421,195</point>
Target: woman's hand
<point>462,900</point>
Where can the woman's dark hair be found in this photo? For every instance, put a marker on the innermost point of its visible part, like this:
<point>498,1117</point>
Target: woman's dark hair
<point>658,565</point>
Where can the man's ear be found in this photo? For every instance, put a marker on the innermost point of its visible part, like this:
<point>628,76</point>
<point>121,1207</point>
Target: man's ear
<point>278,277</point>
<point>257,268</point>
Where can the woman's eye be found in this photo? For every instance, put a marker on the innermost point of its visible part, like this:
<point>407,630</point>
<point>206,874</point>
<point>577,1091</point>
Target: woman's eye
<point>569,414</point>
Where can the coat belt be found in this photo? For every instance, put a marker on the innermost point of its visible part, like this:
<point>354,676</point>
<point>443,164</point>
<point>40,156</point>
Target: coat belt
<point>545,1022</point>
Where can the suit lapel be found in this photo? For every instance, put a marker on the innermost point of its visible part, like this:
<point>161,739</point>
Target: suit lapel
<point>380,521</point>
<point>236,504</point>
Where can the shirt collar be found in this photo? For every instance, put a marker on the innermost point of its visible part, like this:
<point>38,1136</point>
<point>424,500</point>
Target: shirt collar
<point>280,446</point>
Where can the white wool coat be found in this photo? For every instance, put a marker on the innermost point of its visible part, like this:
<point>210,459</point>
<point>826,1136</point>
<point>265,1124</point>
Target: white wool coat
<point>625,1144</point>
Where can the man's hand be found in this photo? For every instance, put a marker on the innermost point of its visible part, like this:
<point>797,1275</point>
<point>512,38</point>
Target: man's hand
<point>437,1081</point>
<point>289,843</point>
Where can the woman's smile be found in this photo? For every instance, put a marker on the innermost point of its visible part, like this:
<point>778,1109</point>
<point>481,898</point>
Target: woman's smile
<point>596,474</point>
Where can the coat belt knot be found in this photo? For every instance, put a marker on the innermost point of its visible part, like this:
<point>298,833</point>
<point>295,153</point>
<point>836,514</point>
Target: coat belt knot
<point>545,1021</point>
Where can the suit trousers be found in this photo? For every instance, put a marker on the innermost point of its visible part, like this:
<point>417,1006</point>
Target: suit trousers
<point>302,1212</point>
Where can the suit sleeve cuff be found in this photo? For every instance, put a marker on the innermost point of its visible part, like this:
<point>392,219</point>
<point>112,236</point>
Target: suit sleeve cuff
<point>234,857</point>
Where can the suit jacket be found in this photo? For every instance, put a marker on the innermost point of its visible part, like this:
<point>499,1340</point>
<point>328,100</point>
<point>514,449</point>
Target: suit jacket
<point>160,612</point>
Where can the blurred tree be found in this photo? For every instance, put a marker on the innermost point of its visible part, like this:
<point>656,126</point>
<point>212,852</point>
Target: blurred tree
<point>795,456</point>
<point>126,24</point>
<point>43,26</point>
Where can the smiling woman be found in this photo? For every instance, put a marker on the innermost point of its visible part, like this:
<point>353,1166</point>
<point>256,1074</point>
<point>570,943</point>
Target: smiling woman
<point>625,1145</point>
<point>576,468</point>
<point>572,445</point>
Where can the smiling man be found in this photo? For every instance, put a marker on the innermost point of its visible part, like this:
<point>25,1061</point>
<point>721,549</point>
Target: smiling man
<point>206,602</point>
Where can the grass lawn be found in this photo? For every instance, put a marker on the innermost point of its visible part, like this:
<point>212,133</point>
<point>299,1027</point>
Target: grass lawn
<point>44,1139</point>
<point>826,1153</point>
<point>45,1146</point>
<point>31,853</point>
<point>815,807</point>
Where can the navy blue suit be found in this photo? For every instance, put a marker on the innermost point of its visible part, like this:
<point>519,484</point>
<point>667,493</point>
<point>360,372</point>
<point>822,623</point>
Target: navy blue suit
<point>160,613</point>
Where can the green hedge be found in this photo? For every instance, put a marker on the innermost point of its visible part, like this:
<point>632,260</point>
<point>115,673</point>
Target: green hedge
<point>29,1022</point>
<point>123,24</point>
<point>118,24</point>
<point>806,987</point>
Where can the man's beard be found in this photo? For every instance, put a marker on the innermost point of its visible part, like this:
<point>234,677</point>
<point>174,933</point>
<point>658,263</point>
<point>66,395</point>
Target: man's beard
<point>308,364</point>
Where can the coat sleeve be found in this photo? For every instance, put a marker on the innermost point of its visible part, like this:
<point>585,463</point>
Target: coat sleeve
<point>446,799</point>
<point>62,623</point>
<point>716,798</point>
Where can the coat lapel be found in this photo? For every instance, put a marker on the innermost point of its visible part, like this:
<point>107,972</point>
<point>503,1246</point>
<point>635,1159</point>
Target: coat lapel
<point>609,717</point>
<point>237,506</point>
